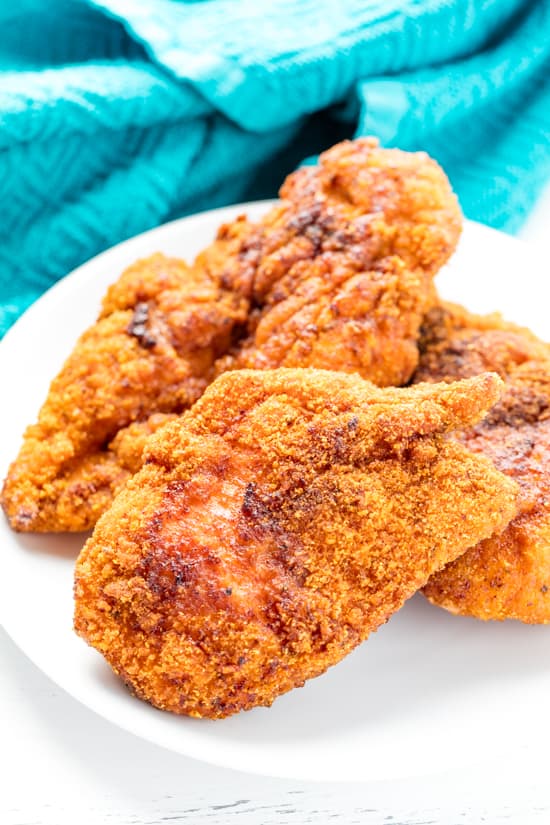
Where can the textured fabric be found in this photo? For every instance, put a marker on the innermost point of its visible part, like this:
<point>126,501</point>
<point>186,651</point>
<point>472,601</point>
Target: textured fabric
<point>118,115</point>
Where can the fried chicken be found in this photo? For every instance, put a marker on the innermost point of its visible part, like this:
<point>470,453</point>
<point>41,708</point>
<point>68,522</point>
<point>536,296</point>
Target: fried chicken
<point>161,327</point>
<point>507,575</point>
<point>275,525</point>
<point>338,276</point>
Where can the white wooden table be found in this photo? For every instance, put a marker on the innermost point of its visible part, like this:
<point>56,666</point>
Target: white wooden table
<point>60,764</point>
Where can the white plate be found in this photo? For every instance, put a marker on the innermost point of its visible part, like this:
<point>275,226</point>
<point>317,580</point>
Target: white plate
<point>428,692</point>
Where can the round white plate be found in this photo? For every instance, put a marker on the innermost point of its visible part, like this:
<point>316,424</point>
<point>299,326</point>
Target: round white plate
<point>428,692</point>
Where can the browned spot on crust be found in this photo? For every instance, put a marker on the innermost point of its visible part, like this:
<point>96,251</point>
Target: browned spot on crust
<point>138,326</point>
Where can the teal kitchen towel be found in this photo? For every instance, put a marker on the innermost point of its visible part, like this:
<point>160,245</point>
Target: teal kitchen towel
<point>118,115</point>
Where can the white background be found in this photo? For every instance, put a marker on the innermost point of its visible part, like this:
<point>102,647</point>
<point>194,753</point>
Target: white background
<point>60,764</point>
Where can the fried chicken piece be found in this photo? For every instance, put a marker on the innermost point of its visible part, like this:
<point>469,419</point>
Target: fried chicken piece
<point>339,275</point>
<point>161,327</point>
<point>507,575</point>
<point>276,524</point>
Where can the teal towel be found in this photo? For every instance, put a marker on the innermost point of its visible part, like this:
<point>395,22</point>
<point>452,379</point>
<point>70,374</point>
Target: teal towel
<point>118,115</point>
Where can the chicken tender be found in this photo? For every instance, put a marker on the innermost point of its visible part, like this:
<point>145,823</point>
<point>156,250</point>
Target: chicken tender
<point>152,350</point>
<point>276,524</point>
<point>339,275</point>
<point>507,575</point>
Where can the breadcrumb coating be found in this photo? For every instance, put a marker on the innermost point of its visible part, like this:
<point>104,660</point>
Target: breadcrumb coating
<point>275,525</point>
<point>161,328</point>
<point>508,575</point>
<point>339,275</point>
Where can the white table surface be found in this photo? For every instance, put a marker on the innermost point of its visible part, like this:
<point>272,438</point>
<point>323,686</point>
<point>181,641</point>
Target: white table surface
<point>60,764</point>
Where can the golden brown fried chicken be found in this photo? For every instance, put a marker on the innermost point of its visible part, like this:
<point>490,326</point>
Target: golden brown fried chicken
<point>340,273</point>
<point>337,276</point>
<point>274,526</point>
<point>507,575</point>
<point>161,327</point>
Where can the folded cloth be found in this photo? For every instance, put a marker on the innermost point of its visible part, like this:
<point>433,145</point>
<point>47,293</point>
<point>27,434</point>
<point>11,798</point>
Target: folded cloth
<point>118,115</point>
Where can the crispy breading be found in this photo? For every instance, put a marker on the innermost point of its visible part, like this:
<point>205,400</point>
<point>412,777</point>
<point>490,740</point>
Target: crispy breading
<point>338,275</point>
<point>276,524</point>
<point>161,328</point>
<point>507,575</point>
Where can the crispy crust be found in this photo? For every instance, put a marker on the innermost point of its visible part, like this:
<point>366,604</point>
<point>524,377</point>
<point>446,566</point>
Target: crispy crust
<point>274,526</point>
<point>340,274</point>
<point>508,575</point>
<point>152,350</point>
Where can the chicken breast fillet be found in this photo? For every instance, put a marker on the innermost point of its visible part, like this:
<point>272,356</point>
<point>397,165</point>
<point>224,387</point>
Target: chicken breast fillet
<point>338,276</point>
<point>274,526</point>
<point>152,350</point>
<point>508,575</point>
